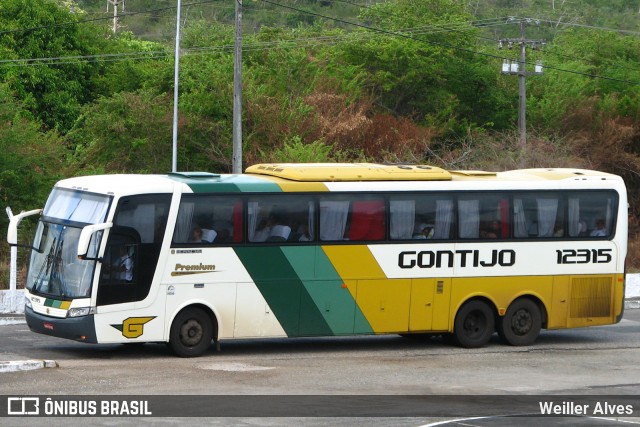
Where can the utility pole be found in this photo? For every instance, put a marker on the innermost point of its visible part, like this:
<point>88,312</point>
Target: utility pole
<point>176,73</point>
<point>13,270</point>
<point>115,4</point>
<point>519,68</point>
<point>237,94</point>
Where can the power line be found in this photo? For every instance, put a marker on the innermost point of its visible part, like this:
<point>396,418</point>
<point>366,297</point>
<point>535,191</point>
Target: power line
<point>409,33</point>
<point>142,12</point>
<point>593,27</point>
<point>149,55</point>
<point>458,48</point>
<point>104,18</point>
<point>364,6</point>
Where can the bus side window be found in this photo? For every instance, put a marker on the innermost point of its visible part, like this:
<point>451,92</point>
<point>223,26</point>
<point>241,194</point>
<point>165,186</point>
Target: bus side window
<point>367,220</point>
<point>484,216</point>
<point>469,218</point>
<point>420,217</point>
<point>281,219</point>
<point>334,213</point>
<point>209,220</point>
<point>348,218</point>
<point>538,215</point>
<point>591,214</point>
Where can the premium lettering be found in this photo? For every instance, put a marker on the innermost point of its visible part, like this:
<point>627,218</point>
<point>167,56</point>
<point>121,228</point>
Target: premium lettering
<point>195,267</point>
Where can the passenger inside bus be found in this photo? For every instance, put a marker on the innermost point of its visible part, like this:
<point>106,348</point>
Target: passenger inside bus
<point>208,236</point>
<point>600,230</point>
<point>196,235</point>
<point>424,231</point>
<point>202,235</point>
<point>491,230</point>
<point>279,232</point>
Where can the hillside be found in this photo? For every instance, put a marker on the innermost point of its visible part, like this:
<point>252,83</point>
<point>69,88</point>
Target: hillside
<point>394,81</point>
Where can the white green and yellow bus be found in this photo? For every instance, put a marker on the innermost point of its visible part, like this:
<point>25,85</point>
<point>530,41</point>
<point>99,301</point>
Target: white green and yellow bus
<point>303,250</point>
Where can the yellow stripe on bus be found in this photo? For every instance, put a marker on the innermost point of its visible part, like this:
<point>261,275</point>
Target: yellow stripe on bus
<point>292,187</point>
<point>354,262</point>
<point>383,302</point>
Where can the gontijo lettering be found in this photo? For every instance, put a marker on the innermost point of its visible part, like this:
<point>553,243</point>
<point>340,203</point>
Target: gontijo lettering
<point>471,258</point>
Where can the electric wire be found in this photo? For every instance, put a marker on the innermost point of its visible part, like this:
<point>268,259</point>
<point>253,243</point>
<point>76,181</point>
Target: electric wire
<point>409,33</point>
<point>458,48</point>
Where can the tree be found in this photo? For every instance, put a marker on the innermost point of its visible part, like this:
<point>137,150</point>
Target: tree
<point>587,53</point>
<point>127,132</point>
<point>422,62</point>
<point>31,160</point>
<point>40,37</point>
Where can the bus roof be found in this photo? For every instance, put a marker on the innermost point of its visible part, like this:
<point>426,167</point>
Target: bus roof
<point>329,172</point>
<point>332,172</point>
<point>322,177</point>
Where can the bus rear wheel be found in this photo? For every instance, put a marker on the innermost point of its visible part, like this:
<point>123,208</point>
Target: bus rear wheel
<point>191,333</point>
<point>521,324</point>
<point>474,324</point>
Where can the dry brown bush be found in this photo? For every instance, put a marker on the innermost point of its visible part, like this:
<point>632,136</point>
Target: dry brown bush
<point>611,143</point>
<point>352,127</point>
<point>633,251</point>
<point>356,127</point>
<point>501,151</point>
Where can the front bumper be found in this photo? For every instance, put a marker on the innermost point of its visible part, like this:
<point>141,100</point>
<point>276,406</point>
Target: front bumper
<point>81,329</point>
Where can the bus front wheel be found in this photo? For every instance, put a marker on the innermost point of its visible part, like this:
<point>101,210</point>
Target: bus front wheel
<point>191,333</point>
<point>521,324</point>
<point>474,324</point>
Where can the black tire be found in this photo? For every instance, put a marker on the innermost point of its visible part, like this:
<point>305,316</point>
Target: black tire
<point>474,324</point>
<point>521,324</point>
<point>191,333</point>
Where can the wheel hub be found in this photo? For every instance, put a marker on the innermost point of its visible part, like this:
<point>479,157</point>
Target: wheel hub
<point>473,324</point>
<point>521,322</point>
<point>191,332</point>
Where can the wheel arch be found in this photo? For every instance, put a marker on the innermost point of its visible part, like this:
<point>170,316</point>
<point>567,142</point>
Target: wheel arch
<point>209,311</point>
<point>535,299</point>
<point>478,297</point>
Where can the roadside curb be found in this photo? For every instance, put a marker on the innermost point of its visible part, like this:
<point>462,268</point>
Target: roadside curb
<point>26,365</point>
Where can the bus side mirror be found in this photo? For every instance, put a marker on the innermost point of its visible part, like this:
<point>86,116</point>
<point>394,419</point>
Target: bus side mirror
<point>86,234</point>
<point>14,221</point>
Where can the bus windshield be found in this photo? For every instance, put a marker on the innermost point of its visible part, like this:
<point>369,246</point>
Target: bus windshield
<point>55,269</point>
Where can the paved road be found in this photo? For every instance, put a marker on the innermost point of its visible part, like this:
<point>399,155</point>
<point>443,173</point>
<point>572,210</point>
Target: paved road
<point>596,361</point>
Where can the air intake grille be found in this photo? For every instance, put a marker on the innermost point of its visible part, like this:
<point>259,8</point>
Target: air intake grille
<point>591,297</point>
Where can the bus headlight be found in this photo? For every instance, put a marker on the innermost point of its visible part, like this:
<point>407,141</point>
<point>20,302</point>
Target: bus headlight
<point>81,311</point>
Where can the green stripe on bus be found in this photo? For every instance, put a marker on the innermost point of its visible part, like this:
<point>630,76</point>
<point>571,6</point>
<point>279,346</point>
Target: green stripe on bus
<point>253,184</point>
<point>228,184</point>
<point>283,290</point>
<point>325,288</point>
<point>57,304</point>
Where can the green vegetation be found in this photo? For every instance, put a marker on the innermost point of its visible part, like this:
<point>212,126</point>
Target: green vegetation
<point>387,81</point>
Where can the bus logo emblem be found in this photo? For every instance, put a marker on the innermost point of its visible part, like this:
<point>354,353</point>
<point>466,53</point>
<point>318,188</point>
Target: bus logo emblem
<point>133,327</point>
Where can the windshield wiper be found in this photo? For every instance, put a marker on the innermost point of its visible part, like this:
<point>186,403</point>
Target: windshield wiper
<point>52,269</point>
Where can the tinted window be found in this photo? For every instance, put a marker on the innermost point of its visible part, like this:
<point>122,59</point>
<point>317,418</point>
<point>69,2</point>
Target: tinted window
<point>280,219</point>
<point>209,220</point>
<point>356,218</point>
